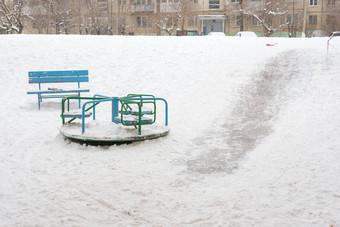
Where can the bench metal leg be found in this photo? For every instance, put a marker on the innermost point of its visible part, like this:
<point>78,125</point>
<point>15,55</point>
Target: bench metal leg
<point>39,98</point>
<point>79,100</point>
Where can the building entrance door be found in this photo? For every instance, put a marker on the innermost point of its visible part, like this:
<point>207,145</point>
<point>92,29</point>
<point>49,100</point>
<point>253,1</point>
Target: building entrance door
<point>212,23</point>
<point>212,26</point>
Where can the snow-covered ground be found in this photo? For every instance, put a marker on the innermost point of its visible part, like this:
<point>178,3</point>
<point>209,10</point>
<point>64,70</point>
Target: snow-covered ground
<point>254,134</point>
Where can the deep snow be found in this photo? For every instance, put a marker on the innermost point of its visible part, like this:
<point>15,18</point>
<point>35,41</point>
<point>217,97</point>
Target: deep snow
<point>253,134</point>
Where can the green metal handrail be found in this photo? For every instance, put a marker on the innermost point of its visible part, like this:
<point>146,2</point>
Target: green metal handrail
<point>68,105</point>
<point>126,109</point>
<point>126,102</point>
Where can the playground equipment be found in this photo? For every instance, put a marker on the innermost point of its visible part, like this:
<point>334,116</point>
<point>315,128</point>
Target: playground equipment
<point>128,115</point>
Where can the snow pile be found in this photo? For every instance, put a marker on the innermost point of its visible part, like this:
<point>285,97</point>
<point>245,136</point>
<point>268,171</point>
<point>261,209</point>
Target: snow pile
<point>253,134</point>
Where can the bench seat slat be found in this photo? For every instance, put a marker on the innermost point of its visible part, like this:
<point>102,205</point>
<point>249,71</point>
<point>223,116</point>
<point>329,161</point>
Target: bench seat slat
<point>57,91</point>
<point>56,96</point>
<point>33,80</point>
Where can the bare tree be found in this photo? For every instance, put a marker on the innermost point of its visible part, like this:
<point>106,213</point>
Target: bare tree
<point>58,14</point>
<point>266,13</point>
<point>237,7</point>
<point>10,17</point>
<point>122,26</point>
<point>186,9</point>
<point>36,10</point>
<point>168,22</point>
<point>173,14</point>
<point>62,15</point>
<point>241,15</point>
<point>97,20</point>
<point>122,14</point>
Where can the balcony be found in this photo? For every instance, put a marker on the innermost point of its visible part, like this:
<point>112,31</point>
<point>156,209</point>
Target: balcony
<point>171,7</point>
<point>141,8</point>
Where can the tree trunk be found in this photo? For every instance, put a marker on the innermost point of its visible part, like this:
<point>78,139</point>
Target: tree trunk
<point>241,16</point>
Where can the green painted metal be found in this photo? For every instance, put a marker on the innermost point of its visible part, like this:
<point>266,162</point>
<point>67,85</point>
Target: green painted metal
<point>68,105</point>
<point>126,107</point>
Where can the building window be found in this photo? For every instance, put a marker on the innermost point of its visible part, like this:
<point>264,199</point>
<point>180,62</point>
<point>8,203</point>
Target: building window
<point>192,22</point>
<point>331,20</point>
<point>296,19</point>
<point>235,20</point>
<point>288,19</point>
<point>214,4</point>
<point>35,24</point>
<point>313,2</point>
<point>331,2</point>
<point>143,21</point>
<point>255,22</point>
<point>313,19</point>
<point>139,21</point>
<point>121,21</point>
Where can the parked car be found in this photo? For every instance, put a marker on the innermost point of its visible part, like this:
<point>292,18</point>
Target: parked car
<point>187,33</point>
<point>216,34</point>
<point>319,33</point>
<point>246,34</point>
<point>333,34</point>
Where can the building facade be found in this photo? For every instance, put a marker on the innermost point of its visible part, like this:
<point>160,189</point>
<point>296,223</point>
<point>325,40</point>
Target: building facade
<point>167,17</point>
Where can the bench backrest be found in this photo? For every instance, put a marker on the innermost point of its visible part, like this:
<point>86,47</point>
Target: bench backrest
<point>77,76</point>
<point>58,76</point>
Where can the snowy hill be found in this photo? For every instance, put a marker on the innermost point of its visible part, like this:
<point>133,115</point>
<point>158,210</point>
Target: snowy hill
<point>253,134</point>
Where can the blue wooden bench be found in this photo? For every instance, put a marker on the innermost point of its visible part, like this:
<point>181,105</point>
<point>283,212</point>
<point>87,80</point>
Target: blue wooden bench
<point>51,77</point>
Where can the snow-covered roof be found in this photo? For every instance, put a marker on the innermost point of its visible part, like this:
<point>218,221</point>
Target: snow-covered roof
<point>212,17</point>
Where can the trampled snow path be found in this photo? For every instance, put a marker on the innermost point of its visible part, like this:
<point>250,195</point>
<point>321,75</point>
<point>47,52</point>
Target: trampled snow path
<point>285,176</point>
<point>252,116</point>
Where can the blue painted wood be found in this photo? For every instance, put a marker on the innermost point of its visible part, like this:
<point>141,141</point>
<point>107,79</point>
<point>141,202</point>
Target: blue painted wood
<point>70,76</point>
<point>56,96</point>
<point>58,73</point>
<point>65,79</point>
<point>57,91</point>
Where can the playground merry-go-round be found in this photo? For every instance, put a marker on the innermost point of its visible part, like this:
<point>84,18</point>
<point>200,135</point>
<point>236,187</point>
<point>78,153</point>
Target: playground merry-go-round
<point>133,118</point>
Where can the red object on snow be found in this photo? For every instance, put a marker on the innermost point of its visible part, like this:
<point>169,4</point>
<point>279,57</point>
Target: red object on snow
<point>271,45</point>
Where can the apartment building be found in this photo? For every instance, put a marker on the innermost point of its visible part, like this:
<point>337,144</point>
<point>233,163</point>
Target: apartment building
<point>293,17</point>
<point>322,16</point>
<point>166,17</point>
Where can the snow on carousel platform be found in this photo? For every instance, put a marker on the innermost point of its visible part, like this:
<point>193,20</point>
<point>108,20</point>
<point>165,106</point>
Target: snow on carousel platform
<point>129,115</point>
